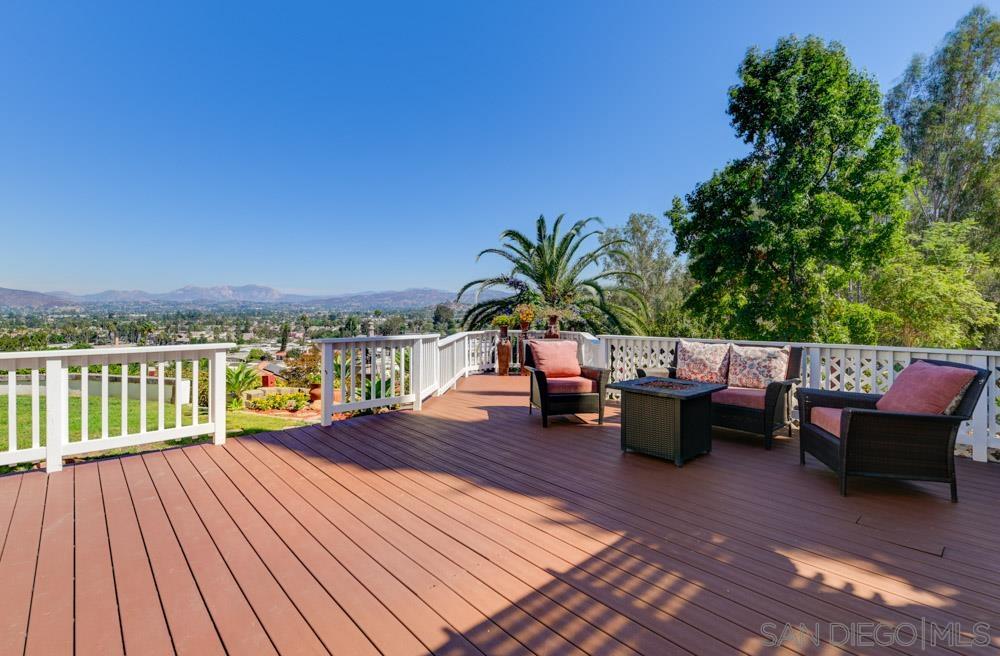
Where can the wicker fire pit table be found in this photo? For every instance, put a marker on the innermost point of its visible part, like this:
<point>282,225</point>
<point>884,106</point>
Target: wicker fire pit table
<point>666,418</point>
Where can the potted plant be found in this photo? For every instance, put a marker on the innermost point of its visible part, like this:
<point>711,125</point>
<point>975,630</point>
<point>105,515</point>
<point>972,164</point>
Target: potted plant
<point>503,322</point>
<point>525,315</point>
<point>554,314</point>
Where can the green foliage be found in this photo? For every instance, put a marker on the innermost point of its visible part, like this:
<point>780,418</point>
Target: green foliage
<point>948,111</point>
<point>305,370</point>
<point>928,291</point>
<point>257,354</point>
<point>504,321</point>
<point>283,337</point>
<point>443,316</point>
<point>551,269</point>
<point>240,379</point>
<point>820,192</point>
<point>292,402</point>
<point>660,283</point>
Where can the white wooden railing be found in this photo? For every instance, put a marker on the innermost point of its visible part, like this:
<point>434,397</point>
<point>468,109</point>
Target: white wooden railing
<point>363,373</point>
<point>67,397</point>
<point>440,362</point>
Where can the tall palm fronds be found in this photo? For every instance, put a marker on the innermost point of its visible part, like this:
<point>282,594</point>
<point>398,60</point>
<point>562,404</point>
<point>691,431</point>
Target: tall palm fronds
<point>554,270</point>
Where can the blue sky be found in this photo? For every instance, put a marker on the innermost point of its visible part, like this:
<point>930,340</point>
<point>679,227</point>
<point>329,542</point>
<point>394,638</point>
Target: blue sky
<point>331,148</point>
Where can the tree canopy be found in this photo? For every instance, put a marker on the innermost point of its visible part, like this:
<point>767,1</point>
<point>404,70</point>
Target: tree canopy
<point>820,190</point>
<point>553,270</point>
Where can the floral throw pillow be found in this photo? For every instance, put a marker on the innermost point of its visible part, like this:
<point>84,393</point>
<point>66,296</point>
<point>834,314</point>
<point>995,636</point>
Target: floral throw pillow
<point>705,363</point>
<point>756,366</point>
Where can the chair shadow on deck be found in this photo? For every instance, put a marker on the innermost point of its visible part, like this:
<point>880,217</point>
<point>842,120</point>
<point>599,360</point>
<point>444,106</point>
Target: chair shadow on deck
<point>586,548</point>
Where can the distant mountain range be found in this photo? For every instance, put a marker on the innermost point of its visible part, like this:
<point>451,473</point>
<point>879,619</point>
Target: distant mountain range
<point>407,299</point>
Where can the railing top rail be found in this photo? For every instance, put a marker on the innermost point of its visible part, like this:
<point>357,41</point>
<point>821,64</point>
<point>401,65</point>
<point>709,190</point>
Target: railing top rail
<point>116,350</point>
<point>860,347</point>
<point>465,333</point>
<point>376,338</point>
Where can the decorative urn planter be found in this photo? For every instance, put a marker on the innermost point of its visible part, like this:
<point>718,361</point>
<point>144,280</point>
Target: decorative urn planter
<point>552,331</point>
<point>503,353</point>
<point>315,391</point>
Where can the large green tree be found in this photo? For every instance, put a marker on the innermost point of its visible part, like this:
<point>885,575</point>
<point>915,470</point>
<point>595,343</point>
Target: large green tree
<point>821,191</point>
<point>553,270</point>
<point>948,110</point>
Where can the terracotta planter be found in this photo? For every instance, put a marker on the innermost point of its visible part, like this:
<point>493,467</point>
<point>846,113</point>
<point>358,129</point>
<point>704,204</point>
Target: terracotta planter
<point>552,331</point>
<point>503,333</point>
<point>503,357</point>
<point>315,392</point>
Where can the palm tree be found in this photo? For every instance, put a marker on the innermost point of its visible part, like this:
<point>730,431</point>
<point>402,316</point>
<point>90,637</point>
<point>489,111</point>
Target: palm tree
<point>552,270</point>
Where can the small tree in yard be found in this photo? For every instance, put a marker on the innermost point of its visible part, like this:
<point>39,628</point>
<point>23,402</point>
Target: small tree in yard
<point>283,338</point>
<point>240,379</point>
<point>820,193</point>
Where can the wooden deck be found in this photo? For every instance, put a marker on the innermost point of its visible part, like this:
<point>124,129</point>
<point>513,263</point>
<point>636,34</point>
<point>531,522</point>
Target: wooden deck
<point>467,528</point>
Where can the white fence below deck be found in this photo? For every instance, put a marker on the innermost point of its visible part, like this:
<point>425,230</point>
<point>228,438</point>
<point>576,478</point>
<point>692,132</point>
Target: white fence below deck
<point>44,378</point>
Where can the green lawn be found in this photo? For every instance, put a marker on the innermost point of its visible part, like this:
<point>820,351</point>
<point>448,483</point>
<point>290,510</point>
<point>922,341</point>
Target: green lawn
<point>238,422</point>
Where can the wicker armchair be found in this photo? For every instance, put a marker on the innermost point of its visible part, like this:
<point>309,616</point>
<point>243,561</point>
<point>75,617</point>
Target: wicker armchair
<point>872,442</point>
<point>553,403</point>
<point>776,413</point>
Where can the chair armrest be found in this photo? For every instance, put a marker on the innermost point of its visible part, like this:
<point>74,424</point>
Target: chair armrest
<point>891,439</point>
<point>777,400</point>
<point>810,397</point>
<point>538,376</point>
<point>599,374</point>
<point>661,372</point>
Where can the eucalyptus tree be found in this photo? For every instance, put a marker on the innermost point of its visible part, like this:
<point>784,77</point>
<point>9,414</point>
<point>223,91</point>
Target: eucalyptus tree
<point>818,199</point>
<point>555,270</point>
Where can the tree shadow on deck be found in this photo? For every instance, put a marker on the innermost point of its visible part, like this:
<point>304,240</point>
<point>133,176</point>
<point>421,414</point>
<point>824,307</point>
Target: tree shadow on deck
<point>584,547</point>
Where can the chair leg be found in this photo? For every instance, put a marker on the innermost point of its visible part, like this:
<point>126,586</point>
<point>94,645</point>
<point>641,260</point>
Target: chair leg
<point>600,414</point>
<point>530,407</point>
<point>768,439</point>
<point>802,455</point>
<point>843,485</point>
<point>954,490</point>
<point>545,420</point>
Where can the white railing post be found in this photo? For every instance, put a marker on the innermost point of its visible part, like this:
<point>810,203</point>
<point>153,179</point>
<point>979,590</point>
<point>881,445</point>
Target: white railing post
<point>980,417</point>
<point>815,369</point>
<point>54,420</point>
<point>218,399</point>
<point>416,366</point>
<point>326,391</point>
<point>467,363</point>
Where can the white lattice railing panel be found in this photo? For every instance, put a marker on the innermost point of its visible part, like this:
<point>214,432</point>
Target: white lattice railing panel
<point>850,368</point>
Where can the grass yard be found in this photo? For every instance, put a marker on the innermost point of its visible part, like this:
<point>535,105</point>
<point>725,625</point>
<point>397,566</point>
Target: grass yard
<point>238,422</point>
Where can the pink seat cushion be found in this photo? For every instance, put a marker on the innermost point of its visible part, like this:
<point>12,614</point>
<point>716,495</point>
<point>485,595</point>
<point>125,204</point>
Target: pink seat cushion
<point>827,418</point>
<point>742,396</point>
<point>571,385</point>
<point>556,358</point>
<point>925,387</point>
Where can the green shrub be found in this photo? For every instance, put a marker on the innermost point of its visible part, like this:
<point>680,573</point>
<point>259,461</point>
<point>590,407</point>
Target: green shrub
<point>292,402</point>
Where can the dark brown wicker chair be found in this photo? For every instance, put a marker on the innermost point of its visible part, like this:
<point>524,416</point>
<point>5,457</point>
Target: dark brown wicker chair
<point>777,401</point>
<point>565,404</point>
<point>907,446</point>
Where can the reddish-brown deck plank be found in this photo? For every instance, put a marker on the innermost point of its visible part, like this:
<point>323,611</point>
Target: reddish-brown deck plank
<point>98,629</point>
<point>18,561</point>
<point>50,627</point>
<point>144,627</point>
<point>284,623</point>
<point>190,625</point>
<point>238,626</point>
